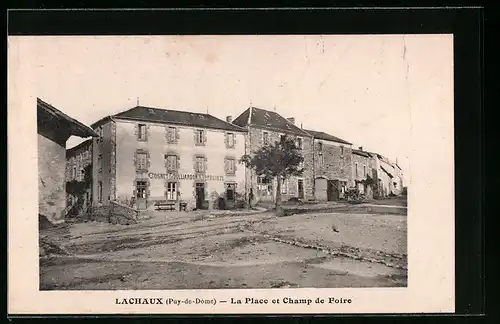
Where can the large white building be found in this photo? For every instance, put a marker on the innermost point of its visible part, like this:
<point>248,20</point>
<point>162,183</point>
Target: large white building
<point>145,155</point>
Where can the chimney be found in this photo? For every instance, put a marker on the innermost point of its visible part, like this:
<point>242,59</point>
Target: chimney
<point>291,120</point>
<point>361,148</point>
<point>229,119</point>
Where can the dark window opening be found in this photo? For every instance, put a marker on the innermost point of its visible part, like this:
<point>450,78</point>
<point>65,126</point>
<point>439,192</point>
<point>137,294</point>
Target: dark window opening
<point>141,189</point>
<point>230,191</point>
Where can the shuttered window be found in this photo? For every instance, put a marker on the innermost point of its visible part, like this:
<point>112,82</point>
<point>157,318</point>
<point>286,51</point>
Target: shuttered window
<point>171,162</point>
<point>230,165</point>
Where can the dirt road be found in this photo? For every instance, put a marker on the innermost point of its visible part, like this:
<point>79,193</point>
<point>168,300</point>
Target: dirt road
<point>193,251</point>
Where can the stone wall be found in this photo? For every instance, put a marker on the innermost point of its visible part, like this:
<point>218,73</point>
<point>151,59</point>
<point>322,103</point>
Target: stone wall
<point>337,159</point>
<point>121,214</point>
<point>51,179</point>
<point>115,213</point>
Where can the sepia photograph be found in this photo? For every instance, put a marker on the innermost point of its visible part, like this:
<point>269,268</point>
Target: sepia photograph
<point>190,175</point>
<point>235,162</point>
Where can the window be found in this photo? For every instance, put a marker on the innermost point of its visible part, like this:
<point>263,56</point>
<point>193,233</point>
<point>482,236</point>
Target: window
<point>320,147</point>
<point>99,191</point>
<point>282,137</point>
<point>230,191</point>
<point>341,150</point>
<point>142,160</point>
<point>230,140</point>
<point>263,180</point>
<point>230,166</point>
<point>100,133</point>
<point>321,160</point>
<point>141,133</point>
<point>364,171</point>
<point>73,173</point>
<point>200,137</point>
<point>99,162</point>
<point>356,169</point>
<point>171,191</point>
<point>299,143</point>
<point>171,135</point>
<point>82,174</point>
<point>265,138</point>
<point>284,186</point>
<point>85,155</point>
<point>171,162</point>
<point>200,164</point>
<point>141,187</point>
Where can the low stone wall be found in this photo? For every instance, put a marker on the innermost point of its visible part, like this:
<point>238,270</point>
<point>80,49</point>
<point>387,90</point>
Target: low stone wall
<point>115,213</point>
<point>99,214</point>
<point>122,214</point>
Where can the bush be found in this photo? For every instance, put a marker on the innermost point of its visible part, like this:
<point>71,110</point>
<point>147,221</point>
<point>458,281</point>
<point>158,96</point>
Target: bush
<point>354,196</point>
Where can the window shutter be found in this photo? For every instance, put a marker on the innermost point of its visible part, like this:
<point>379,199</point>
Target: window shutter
<point>205,163</point>
<point>226,139</point>
<point>234,139</point>
<point>148,162</point>
<point>176,133</point>
<point>195,132</point>
<point>204,136</point>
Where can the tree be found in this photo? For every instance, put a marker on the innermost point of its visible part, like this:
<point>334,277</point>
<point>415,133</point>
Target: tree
<point>279,161</point>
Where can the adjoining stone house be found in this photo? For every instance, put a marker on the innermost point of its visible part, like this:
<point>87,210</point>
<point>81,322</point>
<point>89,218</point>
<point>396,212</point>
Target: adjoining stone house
<point>364,173</point>
<point>54,129</point>
<point>389,176</point>
<point>332,159</point>
<point>265,127</point>
<point>78,162</point>
<point>144,155</point>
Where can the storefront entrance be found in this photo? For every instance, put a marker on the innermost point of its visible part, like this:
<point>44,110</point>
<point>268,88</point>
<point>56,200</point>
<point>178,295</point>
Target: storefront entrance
<point>333,190</point>
<point>300,187</point>
<point>200,195</point>
<point>141,196</point>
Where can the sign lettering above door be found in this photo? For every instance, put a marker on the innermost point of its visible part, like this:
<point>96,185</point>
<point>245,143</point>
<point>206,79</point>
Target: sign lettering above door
<point>174,176</point>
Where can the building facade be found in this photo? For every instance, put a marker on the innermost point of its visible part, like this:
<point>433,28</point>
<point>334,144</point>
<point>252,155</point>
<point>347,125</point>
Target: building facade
<point>389,176</point>
<point>332,166</point>
<point>264,128</point>
<point>79,176</point>
<point>54,129</point>
<point>145,155</point>
<point>364,173</point>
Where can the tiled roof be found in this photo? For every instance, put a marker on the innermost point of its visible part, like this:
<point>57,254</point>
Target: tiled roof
<point>267,119</point>
<point>326,137</point>
<point>47,112</point>
<point>168,116</point>
<point>388,173</point>
<point>362,153</point>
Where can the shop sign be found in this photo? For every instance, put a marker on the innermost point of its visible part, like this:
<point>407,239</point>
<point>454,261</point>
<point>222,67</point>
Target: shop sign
<point>175,176</point>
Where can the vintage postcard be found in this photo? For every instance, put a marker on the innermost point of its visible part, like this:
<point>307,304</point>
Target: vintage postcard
<point>231,174</point>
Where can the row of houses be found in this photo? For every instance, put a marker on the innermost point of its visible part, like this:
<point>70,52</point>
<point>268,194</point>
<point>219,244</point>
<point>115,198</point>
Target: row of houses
<point>144,155</point>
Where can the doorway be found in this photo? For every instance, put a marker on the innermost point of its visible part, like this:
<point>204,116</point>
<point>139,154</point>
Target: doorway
<point>141,194</point>
<point>200,195</point>
<point>332,190</point>
<point>300,186</point>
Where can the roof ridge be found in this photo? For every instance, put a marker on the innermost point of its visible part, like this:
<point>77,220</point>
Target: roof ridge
<point>168,109</point>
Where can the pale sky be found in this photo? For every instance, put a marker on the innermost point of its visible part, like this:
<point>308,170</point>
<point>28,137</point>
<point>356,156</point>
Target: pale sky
<point>359,88</point>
